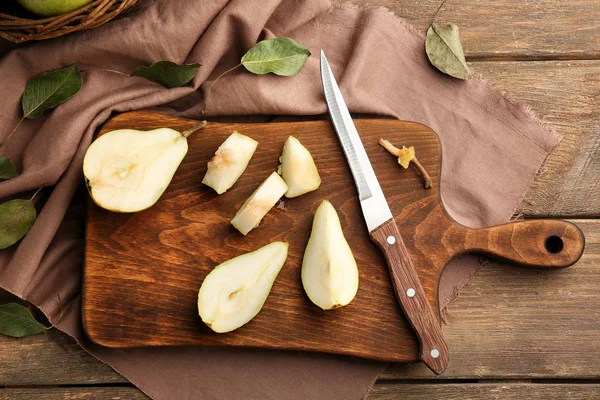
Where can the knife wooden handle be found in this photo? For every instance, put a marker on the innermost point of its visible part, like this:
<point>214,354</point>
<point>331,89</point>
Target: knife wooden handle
<point>412,298</point>
<point>532,243</point>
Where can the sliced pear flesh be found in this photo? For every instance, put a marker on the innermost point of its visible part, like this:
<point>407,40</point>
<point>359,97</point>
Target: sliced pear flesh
<point>229,162</point>
<point>298,169</point>
<point>127,170</point>
<point>259,203</point>
<point>329,270</point>
<point>235,291</point>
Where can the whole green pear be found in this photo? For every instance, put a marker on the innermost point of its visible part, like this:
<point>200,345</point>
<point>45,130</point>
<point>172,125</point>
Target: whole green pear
<point>51,8</point>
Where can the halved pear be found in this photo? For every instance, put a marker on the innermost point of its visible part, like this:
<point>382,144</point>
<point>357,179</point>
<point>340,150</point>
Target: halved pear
<point>234,292</point>
<point>329,271</point>
<point>127,170</point>
<point>298,169</point>
<point>229,162</point>
<point>259,203</point>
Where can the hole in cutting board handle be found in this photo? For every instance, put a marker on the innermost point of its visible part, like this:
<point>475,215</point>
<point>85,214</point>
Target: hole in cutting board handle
<point>554,244</point>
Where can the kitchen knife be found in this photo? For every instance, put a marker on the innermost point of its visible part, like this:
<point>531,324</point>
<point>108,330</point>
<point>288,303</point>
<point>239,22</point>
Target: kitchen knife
<point>383,231</point>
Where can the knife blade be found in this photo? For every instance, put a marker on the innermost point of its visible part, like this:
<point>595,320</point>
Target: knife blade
<point>384,232</point>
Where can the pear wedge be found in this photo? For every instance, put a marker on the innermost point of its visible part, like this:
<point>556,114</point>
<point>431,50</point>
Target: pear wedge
<point>235,291</point>
<point>127,170</point>
<point>298,169</point>
<point>229,162</point>
<point>329,271</point>
<point>259,203</point>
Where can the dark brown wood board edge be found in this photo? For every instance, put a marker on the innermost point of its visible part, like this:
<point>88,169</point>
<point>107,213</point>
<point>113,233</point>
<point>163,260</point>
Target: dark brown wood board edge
<point>176,123</point>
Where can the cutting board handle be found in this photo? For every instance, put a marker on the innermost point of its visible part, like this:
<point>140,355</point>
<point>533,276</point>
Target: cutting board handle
<point>540,243</point>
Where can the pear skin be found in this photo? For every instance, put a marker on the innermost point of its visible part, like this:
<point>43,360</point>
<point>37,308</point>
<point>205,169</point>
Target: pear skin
<point>127,170</point>
<point>298,169</point>
<point>329,270</point>
<point>229,162</point>
<point>235,291</point>
<point>259,203</point>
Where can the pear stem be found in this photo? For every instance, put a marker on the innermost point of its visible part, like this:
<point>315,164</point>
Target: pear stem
<point>427,183</point>
<point>187,133</point>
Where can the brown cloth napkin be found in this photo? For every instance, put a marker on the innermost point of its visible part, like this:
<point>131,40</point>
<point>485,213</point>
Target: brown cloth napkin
<point>491,152</point>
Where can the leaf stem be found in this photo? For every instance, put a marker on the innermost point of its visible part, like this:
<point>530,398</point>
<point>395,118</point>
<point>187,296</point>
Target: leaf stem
<point>35,194</point>
<point>187,133</point>
<point>427,183</point>
<point>106,70</point>
<point>436,12</point>
<point>13,131</point>
<point>213,83</point>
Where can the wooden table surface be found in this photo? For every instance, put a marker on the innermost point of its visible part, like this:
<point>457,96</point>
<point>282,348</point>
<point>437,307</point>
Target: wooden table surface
<point>545,53</point>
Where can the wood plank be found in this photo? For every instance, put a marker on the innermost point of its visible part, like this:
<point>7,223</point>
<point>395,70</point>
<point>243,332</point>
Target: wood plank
<point>512,29</point>
<point>488,391</point>
<point>511,323</point>
<point>566,94</point>
<point>50,358</point>
<point>75,393</point>
<point>493,331</point>
<point>33,360</point>
<point>381,391</point>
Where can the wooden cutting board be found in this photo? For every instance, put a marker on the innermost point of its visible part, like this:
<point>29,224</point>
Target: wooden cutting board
<point>143,270</point>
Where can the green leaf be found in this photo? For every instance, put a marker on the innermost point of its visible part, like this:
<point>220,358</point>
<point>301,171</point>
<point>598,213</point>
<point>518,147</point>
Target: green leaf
<point>445,51</point>
<point>168,73</point>
<point>281,56</point>
<point>7,170</point>
<point>49,89</point>
<point>16,219</point>
<point>17,321</point>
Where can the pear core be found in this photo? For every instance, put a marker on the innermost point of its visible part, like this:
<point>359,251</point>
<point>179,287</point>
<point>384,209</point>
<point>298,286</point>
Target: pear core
<point>127,170</point>
<point>229,162</point>
<point>235,291</point>
<point>259,203</point>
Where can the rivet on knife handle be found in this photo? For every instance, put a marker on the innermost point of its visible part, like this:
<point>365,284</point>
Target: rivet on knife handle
<point>411,296</point>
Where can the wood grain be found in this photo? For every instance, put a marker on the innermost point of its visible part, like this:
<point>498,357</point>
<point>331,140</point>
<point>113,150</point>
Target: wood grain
<point>381,391</point>
<point>420,313</point>
<point>143,270</point>
<point>489,391</point>
<point>565,94</point>
<point>493,327</point>
<point>511,29</point>
<point>91,393</point>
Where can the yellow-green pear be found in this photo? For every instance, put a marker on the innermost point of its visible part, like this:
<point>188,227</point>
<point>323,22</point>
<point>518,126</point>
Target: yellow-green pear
<point>51,8</point>
<point>229,162</point>
<point>329,271</point>
<point>127,170</point>
<point>259,203</point>
<point>298,169</point>
<point>235,291</point>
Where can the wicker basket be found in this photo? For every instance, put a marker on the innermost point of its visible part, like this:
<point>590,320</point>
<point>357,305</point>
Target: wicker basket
<point>18,30</point>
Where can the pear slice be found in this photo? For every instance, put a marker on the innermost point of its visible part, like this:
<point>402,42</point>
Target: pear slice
<point>259,203</point>
<point>329,271</point>
<point>127,170</point>
<point>298,169</point>
<point>229,162</point>
<point>234,292</point>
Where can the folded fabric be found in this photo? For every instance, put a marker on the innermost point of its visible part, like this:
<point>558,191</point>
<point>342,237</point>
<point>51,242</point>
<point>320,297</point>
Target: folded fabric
<point>491,152</point>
